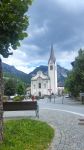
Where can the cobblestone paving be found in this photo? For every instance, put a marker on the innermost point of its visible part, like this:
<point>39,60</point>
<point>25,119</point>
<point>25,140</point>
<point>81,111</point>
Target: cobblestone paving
<point>68,134</point>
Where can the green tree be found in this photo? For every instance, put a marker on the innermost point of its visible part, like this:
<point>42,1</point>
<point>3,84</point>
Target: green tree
<point>10,87</point>
<point>13,24</point>
<point>20,89</point>
<point>70,84</point>
<point>79,70</point>
<point>75,80</point>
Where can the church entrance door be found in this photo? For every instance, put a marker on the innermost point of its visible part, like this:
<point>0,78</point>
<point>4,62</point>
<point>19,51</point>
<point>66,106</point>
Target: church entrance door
<point>40,94</point>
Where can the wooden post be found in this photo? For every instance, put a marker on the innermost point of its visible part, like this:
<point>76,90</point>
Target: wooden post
<point>1,102</point>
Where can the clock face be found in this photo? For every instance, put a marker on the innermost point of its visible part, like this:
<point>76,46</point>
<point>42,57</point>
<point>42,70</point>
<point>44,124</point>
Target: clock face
<point>51,67</point>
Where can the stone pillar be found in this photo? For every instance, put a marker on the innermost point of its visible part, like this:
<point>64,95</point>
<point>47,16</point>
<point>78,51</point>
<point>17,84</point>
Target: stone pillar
<point>1,103</point>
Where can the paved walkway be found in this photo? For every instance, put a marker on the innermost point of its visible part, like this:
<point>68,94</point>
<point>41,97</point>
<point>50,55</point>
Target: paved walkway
<point>69,135</point>
<point>64,118</point>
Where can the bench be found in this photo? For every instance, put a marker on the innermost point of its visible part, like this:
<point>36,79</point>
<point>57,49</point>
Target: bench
<point>18,106</point>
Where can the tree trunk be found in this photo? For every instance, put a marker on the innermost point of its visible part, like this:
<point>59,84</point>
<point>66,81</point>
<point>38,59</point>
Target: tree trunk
<point>1,102</point>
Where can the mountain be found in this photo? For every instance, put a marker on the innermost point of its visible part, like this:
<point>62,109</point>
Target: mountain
<point>61,73</point>
<point>11,71</point>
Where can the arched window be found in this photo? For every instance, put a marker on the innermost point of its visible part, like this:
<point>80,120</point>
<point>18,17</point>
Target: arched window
<point>44,85</point>
<point>39,85</point>
<point>34,86</point>
<point>51,67</point>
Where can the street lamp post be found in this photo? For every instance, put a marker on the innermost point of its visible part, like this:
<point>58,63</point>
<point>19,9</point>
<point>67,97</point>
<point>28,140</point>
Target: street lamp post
<point>62,96</point>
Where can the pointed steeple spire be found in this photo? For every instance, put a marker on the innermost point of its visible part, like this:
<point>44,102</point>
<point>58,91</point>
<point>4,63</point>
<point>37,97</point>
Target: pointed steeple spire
<point>52,56</point>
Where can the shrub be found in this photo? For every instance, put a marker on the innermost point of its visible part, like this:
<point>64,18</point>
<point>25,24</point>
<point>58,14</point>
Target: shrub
<point>5,98</point>
<point>18,98</point>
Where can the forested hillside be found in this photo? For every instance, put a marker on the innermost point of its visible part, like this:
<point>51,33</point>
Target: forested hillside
<point>11,71</point>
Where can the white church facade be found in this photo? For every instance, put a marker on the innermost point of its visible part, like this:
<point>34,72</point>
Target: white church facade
<point>41,84</point>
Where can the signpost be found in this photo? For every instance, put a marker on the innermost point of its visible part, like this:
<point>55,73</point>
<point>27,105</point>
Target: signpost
<point>81,94</point>
<point>50,93</point>
<point>82,97</point>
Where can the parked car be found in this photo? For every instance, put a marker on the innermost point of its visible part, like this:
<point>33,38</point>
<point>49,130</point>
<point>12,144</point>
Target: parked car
<point>67,96</point>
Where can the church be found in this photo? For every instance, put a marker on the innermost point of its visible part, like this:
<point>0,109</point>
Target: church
<point>42,84</point>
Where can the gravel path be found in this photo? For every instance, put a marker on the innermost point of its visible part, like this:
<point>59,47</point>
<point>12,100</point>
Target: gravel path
<point>69,135</point>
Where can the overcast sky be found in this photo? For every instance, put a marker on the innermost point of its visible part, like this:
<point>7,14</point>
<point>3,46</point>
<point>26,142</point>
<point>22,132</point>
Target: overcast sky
<point>57,22</point>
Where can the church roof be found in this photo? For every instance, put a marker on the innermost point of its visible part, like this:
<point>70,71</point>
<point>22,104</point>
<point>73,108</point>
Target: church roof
<point>52,56</point>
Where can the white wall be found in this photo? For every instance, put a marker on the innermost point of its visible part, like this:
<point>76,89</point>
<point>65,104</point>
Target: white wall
<point>53,77</point>
<point>35,86</point>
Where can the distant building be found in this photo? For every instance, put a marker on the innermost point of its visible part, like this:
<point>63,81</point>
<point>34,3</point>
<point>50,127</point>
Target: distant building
<point>28,91</point>
<point>46,85</point>
<point>60,90</point>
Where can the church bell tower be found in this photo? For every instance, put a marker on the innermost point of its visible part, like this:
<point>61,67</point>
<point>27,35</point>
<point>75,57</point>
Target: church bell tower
<point>52,72</point>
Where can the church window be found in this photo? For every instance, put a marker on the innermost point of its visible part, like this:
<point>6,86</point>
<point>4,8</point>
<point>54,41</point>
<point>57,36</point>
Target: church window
<point>39,94</point>
<point>44,85</point>
<point>39,85</point>
<point>51,67</point>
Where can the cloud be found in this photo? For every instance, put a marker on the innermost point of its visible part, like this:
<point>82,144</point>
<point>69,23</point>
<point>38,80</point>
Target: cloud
<point>60,22</point>
<point>66,58</point>
<point>72,5</point>
<point>60,25</point>
<point>20,62</point>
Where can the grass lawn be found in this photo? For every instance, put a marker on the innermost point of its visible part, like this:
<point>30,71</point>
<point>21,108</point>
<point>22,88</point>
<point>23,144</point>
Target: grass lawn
<point>26,134</point>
